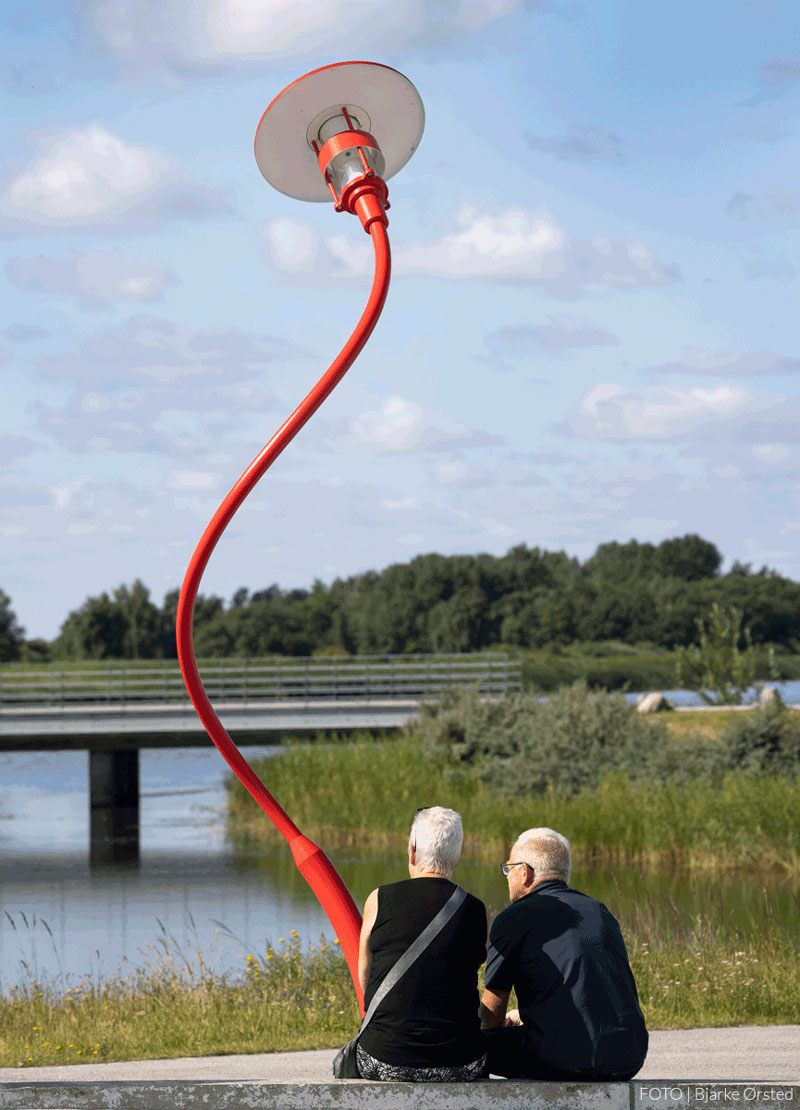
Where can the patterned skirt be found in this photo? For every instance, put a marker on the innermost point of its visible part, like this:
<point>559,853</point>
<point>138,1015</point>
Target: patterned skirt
<point>371,1068</point>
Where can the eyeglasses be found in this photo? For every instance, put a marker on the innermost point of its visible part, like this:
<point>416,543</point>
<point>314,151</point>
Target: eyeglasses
<point>506,867</point>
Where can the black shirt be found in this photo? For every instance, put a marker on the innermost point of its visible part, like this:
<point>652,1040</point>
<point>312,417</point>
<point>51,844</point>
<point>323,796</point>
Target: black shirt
<point>564,954</point>
<point>430,1017</point>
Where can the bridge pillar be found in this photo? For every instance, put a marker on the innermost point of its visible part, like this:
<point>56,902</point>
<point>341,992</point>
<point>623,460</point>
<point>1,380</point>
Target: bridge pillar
<point>113,806</point>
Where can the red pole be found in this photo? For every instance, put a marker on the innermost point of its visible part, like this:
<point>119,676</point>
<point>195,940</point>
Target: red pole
<point>312,862</point>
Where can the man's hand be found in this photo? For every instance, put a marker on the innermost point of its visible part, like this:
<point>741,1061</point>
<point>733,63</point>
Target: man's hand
<point>493,1008</point>
<point>513,1018</point>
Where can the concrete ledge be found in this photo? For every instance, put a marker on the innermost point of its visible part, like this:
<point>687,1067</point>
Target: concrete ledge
<point>491,1094</point>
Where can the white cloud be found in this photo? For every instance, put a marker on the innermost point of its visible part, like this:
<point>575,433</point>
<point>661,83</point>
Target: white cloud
<point>776,266</point>
<point>653,527</point>
<point>728,364</point>
<point>399,425</point>
<point>205,34</point>
<point>14,447</point>
<point>398,504</point>
<point>780,71</point>
<point>192,480</point>
<point>294,245</point>
<point>148,386</point>
<point>507,473</point>
<point>90,178</point>
<point>395,426</point>
<point>514,245</point>
<point>495,528</point>
<point>612,414</point>
<point>452,472</point>
<point>560,333</point>
<point>777,205</point>
<point>149,350</point>
<point>588,143</point>
<point>771,452</point>
<point>25,333</point>
<point>93,279</point>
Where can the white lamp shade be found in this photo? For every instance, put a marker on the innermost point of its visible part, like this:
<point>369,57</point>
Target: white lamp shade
<point>384,102</point>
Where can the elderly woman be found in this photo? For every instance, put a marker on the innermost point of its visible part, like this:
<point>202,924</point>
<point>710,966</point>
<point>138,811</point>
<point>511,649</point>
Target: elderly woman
<point>427,1027</point>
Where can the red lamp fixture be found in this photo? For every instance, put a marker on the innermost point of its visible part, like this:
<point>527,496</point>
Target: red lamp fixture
<point>348,150</point>
<point>318,139</point>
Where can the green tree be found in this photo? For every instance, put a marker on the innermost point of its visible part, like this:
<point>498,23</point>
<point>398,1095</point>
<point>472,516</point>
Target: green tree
<point>12,635</point>
<point>141,621</point>
<point>95,630</point>
<point>123,625</point>
<point>689,557</point>
<point>36,651</point>
<point>621,562</point>
<point>456,625</point>
<point>717,667</point>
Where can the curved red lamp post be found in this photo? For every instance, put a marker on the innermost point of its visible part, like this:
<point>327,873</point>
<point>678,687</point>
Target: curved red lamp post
<point>316,140</point>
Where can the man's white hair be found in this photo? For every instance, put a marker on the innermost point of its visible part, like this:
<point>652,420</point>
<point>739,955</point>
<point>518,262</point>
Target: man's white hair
<point>547,852</point>
<point>437,837</point>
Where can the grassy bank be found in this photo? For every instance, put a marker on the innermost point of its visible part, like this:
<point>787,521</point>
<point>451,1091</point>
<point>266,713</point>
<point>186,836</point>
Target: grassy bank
<point>613,665</point>
<point>364,794</point>
<point>285,999</point>
<point>290,998</point>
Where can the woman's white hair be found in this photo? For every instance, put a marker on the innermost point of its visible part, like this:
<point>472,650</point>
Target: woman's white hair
<point>547,852</point>
<point>437,837</point>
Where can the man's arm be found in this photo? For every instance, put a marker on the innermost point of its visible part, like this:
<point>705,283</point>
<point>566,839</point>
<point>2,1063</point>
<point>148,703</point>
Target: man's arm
<point>364,954</point>
<point>493,1008</point>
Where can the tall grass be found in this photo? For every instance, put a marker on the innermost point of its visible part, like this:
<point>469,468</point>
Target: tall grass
<point>708,973</point>
<point>288,998</point>
<point>283,999</point>
<point>365,793</point>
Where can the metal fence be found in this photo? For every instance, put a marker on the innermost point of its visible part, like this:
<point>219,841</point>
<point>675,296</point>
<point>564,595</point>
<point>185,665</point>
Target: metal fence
<point>385,677</point>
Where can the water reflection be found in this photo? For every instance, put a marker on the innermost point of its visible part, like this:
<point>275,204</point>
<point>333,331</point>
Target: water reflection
<point>737,901</point>
<point>60,920</point>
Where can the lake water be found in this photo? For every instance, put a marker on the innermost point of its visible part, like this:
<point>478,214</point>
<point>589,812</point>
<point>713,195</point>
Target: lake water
<point>789,691</point>
<point>60,920</point>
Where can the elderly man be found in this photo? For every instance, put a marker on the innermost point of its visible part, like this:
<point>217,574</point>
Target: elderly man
<point>563,953</point>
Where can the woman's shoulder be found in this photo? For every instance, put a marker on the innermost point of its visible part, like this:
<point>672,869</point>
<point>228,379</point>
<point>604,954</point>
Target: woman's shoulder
<point>407,888</point>
<point>427,884</point>
<point>476,907</point>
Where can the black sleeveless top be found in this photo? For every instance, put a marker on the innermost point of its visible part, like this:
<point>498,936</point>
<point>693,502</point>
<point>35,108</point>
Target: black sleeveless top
<point>430,1018</point>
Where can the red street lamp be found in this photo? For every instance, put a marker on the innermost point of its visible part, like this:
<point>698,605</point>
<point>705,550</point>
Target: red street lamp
<point>317,139</point>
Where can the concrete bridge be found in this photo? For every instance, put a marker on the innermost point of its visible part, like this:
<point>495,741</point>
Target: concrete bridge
<point>112,711</point>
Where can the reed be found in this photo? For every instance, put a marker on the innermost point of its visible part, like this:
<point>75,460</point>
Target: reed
<point>283,999</point>
<point>363,793</point>
<point>709,973</point>
<point>287,998</point>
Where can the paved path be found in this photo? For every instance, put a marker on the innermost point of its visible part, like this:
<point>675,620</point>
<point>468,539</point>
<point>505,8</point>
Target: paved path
<point>768,1053</point>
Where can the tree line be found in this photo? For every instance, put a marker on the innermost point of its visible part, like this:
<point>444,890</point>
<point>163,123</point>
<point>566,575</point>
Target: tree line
<point>633,592</point>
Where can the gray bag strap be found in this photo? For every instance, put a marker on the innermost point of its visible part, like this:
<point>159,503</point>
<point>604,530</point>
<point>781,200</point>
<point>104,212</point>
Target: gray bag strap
<point>429,933</point>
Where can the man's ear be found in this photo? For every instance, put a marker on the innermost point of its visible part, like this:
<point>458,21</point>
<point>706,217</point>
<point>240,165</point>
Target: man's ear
<point>412,855</point>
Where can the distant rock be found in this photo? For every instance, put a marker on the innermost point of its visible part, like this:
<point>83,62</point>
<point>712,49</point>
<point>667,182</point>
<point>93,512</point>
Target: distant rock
<point>770,695</point>
<point>653,703</point>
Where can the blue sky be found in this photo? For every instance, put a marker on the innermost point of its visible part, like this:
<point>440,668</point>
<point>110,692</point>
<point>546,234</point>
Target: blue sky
<point>590,334</point>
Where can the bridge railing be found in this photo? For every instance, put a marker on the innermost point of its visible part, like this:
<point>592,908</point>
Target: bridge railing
<point>290,678</point>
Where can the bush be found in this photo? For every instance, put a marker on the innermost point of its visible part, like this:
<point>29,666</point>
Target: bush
<point>765,739</point>
<point>520,745</point>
